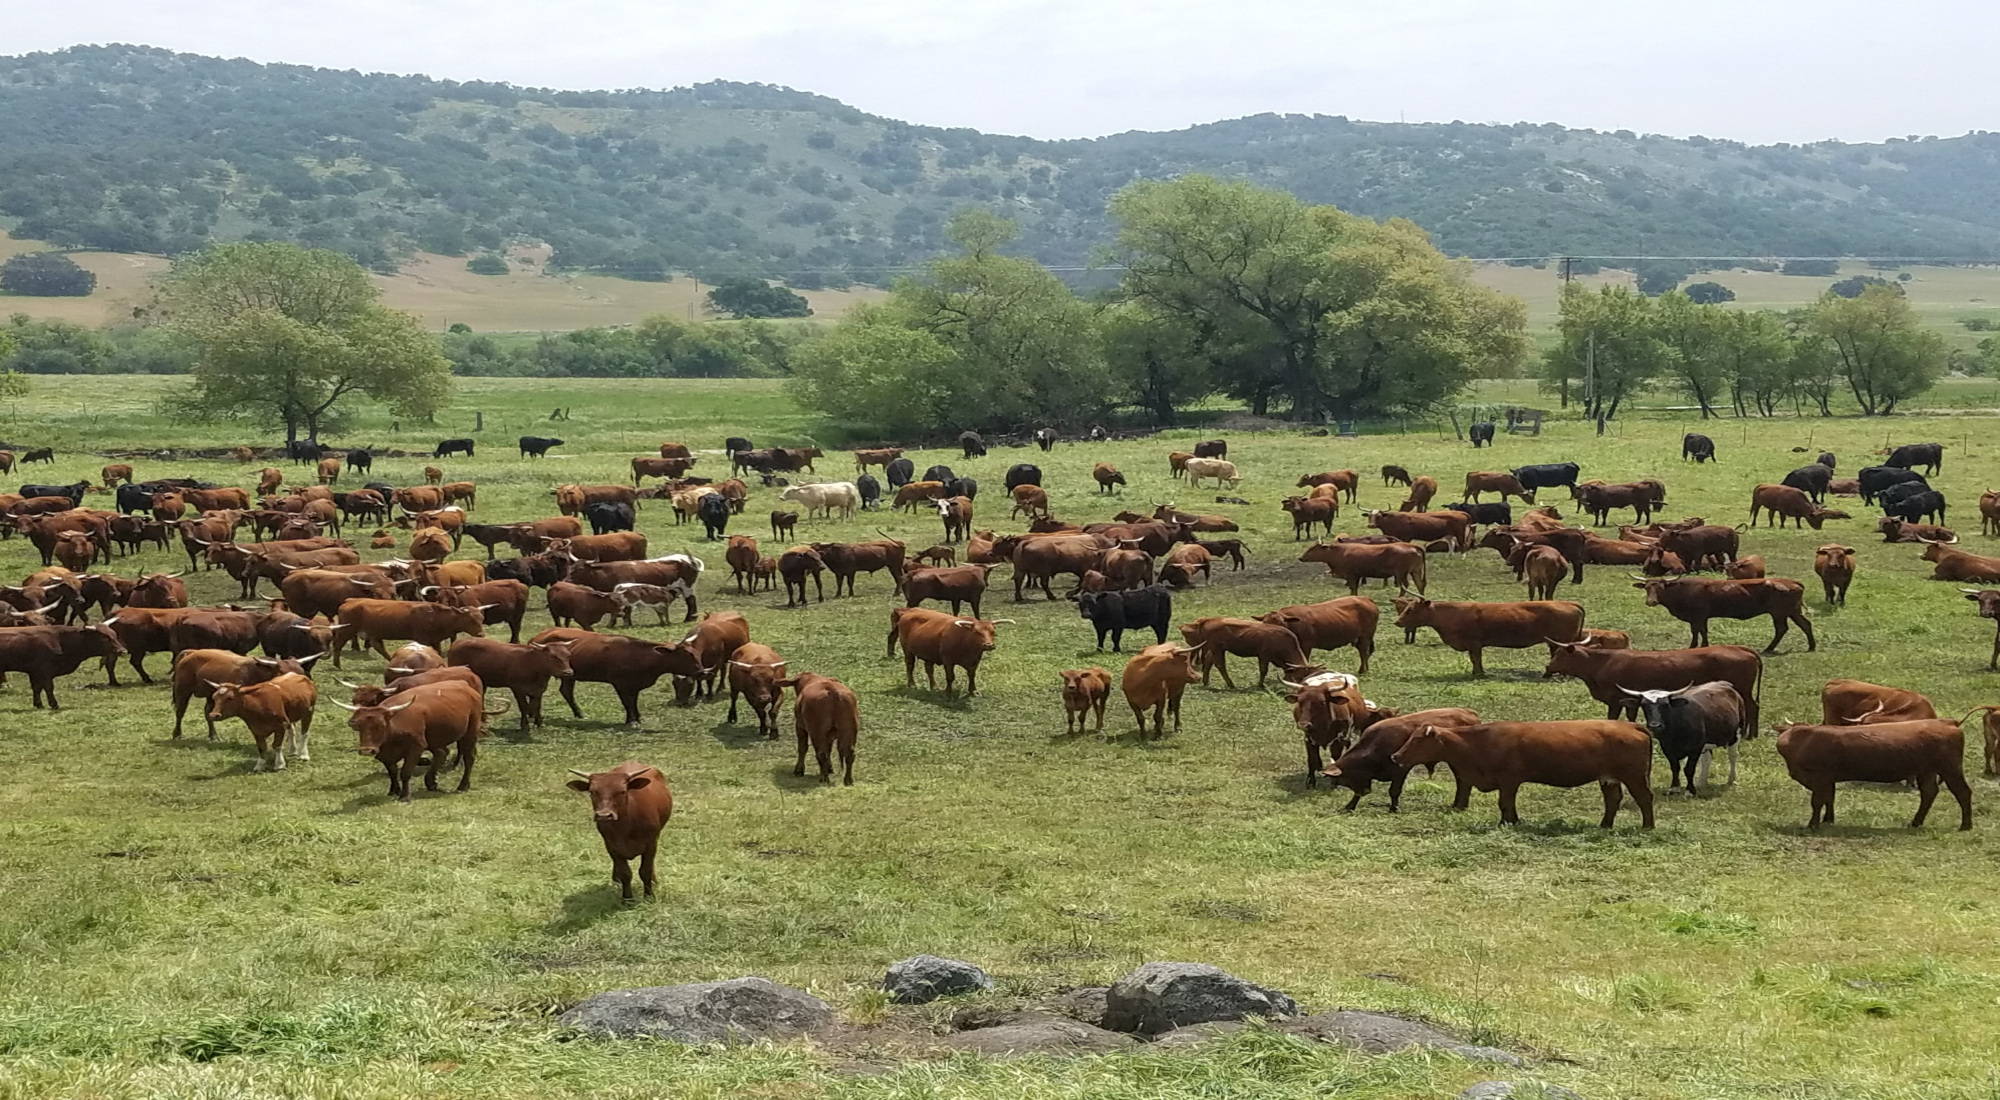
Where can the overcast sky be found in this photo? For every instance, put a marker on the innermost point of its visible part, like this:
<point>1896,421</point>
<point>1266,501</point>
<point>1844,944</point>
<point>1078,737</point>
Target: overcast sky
<point>1754,70</point>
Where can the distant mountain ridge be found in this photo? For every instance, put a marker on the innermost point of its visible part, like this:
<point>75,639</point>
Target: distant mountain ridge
<point>138,149</point>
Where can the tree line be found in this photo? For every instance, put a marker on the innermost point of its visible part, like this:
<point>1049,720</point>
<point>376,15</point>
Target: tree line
<point>1863,344</point>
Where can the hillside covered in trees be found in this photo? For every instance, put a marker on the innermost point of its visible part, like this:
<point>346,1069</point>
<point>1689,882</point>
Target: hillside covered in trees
<point>145,150</point>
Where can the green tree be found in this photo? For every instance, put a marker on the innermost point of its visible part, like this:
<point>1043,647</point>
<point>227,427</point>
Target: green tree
<point>287,334</point>
<point>45,275</point>
<point>1756,354</point>
<point>487,263</point>
<point>13,387</point>
<point>1708,293</point>
<point>1810,267</point>
<point>1608,348</point>
<point>1884,357</point>
<point>1160,362</point>
<point>756,298</point>
<point>1657,277</point>
<point>1853,285</point>
<point>1694,336</point>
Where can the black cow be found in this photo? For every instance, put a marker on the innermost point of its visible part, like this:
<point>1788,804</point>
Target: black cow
<point>1114,613</point>
<point>900,472</point>
<point>1482,434</point>
<point>870,490</point>
<point>1811,480</point>
<point>360,460</point>
<point>73,492</point>
<point>534,570</point>
<point>1212,448</point>
<point>608,516</point>
<point>1045,438</point>
<point>1928,455</point>
<point>136,498</point>
<point>1500,514</point>
<point>713,508</point>
<point>537,445</point>
<point>1923,506</point>
<point>939,473</point>
<point>1021,474</point>
<point>962,487</point>
<point>1548,475</point>
<point>1902,490</point>
<point>1826,459</point>
<point>451,447</point>
<point>736,443</point>
<point>1874,479</point>
<point>973,444</point>
<point>1687,722</point>
<point>1698,447</point>
<point>382,488</point>
<point>298,450</point>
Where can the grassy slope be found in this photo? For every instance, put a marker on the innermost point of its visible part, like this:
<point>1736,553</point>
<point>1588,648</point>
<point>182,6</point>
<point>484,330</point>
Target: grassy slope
<point>165,906</point>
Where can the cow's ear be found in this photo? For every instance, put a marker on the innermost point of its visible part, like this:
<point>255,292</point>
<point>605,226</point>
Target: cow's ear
<point>579,785</point>
<point>1291,697</point>
<point>635,782</point>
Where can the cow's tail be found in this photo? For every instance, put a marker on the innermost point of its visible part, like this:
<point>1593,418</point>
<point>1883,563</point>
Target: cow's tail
<point>1756,707</point>
<point>1988,709</point>
<point>1422,573</point>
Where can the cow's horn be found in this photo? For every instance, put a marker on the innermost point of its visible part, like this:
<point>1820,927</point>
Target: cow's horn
<point>581,775</point>
<point>348,684</point>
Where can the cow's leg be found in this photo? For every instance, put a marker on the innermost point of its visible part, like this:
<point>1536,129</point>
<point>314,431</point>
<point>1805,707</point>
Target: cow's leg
<point>1508,814</point>
<point>1478,656</point>
<point>263,752</point>
<point>1700,776</point>
<point>138,658</point>
<point>1962,791</point>
<point>950,679</point>
<point>733,693</point>
<point>971,679</point>
<point>1098,705</point>
<point>1641,790</point>
<point>1805,627</point>
<point>468,751</point>
<point>1613,795</point>
<point>1779,627</point>
<point>1174,704</point>
<point>1138,715</point>
<point>621,873</point>
<point>1927,789</point>
<point>1222,666</point>
<point>1313,763</point>
<point>646,865</point>
<point>909,668</point>
<point>800,767</point>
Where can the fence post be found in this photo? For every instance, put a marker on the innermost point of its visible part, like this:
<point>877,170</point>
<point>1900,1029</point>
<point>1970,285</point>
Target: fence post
<point>478,422</point>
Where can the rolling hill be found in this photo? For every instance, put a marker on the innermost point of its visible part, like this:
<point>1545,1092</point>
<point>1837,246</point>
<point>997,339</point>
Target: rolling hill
<point>141,150</point>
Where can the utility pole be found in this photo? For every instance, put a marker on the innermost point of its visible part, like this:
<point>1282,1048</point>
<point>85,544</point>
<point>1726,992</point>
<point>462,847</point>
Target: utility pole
<point>1590,366</point>
<point>1562,264</point>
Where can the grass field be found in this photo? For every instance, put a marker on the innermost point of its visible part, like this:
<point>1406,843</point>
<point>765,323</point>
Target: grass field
<point>177,926</point>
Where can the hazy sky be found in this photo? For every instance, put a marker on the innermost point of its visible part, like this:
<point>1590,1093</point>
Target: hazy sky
<point>1755,70</point>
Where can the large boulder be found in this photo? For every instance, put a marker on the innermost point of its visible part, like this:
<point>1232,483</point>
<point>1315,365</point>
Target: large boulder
<point>1162,996</point>
<point>1039,1033</point>
<point>1379,1033</point>
<point>925,978</point>
<point>733,1011</point>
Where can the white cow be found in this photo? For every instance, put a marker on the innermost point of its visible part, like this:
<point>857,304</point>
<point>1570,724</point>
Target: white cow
<point>1220,470</point>
<point>825,497</point>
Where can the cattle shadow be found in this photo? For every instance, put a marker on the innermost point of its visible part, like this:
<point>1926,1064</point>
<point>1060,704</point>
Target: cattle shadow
<point>587,906</point>
<point>740,735</point>
<point>933,696</point>
<point>783,779</point>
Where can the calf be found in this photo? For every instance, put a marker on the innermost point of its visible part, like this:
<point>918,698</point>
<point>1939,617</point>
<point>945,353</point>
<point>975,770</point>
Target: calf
<point>1923,751</point>
<point>1232,549</point>
<point>794,566</point>
<point>1542,567</point>
<point>1108,479</point>
<point>1421,492</point>
<point>1689,723</point>
<point>1395,475</point>
<point>826,715</point>
<point>1501,756</point>
<point>630,804</point>
<point>1156,677</point>
<point>1371,760</point>
<point>1084,691</point>
<point>754,673</point>
<point>276,711</point>
<point>1835,565</point>
<point>783,523</point>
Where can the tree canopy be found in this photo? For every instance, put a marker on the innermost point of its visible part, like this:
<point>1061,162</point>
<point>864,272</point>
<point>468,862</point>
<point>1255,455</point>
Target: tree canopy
<point>744,298</point>
<point>1884,356</point>
<point>45,274</point>
<point>287,334</point>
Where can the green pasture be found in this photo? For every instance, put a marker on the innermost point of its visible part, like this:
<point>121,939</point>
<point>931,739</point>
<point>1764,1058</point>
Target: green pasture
<point>174,925</point>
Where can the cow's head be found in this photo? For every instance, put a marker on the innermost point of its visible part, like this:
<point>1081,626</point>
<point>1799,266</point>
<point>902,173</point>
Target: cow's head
<point>1412,611</point>
<point>372,725</point>
<point>1988,600</point>
<point>1427,746</point>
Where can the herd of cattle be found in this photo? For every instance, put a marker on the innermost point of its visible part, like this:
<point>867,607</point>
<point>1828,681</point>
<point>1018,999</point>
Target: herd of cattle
<point>1122,573</point>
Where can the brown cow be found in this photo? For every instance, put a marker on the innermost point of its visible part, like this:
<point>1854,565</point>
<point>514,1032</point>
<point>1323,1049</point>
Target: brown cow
<point>629,804</point>
<point>1989,608</point>
<point>329,470</point>
<point>880,456</point>
<point>1372,758</point>
<point>1495,481</point>
<point>1177,463</point>
<point>277,711</point>
<point>1501,756</point>
<point>432,476</point>
<point>1784,502</point>
<point>1695,601</point>
<point>754,673</point>
<point>676,572</point>
<point>783,523</point>
<point>310,592</point>
<point>586,607</point>
<point>376,621</point>
<point>1421,492</point>
<point>955,584</point>
<point>1032,499</point>
<point>1471,627</point>
<point>463,493</point>
<point>1038,560</point>
<point>1182,562</point>
<point>1400,563</point>
<point>630,665</point>
<point>719,634</point>
<point>1594,638</point>
<point>1331,624</point>
<point>1611,674</point>
<point>1857,702</point>
<point>614,546</point>
<point>1543,568</point>
<point>425,719</point>
<point>911,493</point>
<point>1108,479</point>
<point>1818,757</point>
<point>115,473</point>
<point>522,669</point>
<point>826,715</point>
<point>1898,530</point>
<point>675,450</point>
<point>498,602</point>
<point>742,556</point>
<point>1156,677</point>
<point>794,565</point>
<point>845,559</point>
<point>1328,708</point>
<point>1217,639</point>
<point>1305,513</point>
<point>939,639</point>
<point>1600,499</point>
<point>1989,512</point>
<point>1084,690</point>
<point>1961,565</point>
<point>46,652</point>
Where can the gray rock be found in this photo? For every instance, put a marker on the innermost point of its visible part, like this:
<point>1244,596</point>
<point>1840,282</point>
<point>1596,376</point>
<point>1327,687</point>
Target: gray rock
<point>1163,996</point>
<point>1517,1090</point>
<point>925,978</point>
<point>1039,1033</point>
<point>1195,1035</point>
<point>1085,1003</point>
<point>1377,1033</point>
<point>738,1010</point>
